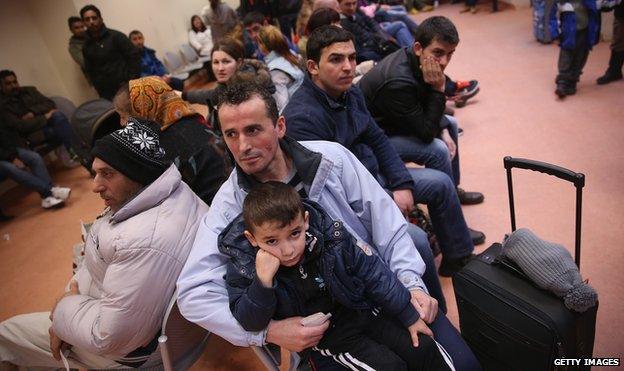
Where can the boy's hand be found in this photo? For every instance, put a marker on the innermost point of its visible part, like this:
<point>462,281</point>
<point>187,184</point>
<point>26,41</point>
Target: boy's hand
<point>266,267</point>
<point>419,327</point>
<point>432,73</point>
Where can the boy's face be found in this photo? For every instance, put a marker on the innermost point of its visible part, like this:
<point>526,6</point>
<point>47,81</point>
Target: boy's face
<point>286,243</point>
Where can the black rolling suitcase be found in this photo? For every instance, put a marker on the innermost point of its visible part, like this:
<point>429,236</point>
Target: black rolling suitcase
<point>508,322</point>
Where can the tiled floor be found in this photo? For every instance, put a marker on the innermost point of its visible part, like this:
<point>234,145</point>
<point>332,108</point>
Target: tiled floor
<point>515,114</point>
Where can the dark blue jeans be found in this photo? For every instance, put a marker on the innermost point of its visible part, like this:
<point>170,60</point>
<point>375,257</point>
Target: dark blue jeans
<point>390,16</point>
<point>38,179</point>
<point>58,130</point>
<point>436,190</point>
<point>434,155</point>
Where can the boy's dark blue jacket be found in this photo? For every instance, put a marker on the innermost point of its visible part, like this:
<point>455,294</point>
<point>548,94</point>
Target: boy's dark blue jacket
<point>354,276</point>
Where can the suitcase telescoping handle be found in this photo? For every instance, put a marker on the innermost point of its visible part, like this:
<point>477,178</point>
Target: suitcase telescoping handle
<point>578,179</point>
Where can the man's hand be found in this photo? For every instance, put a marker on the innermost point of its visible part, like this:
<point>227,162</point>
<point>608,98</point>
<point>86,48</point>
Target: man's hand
<point>28,116</point>
<point>18,163</point>
<point>292,335</point>
<point>432,73</point>
<point>266,267</point>
<point>446,138</point>
<point>57,345</point>
<point>425,305</point>
<point>73,290</point>
<point>404,200</point>
<point>50,113</point>
<point>419,327</point>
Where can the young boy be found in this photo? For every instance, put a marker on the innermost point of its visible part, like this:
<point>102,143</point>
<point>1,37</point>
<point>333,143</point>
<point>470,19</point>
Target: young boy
<point>306,263</point>
<point>580,31</point>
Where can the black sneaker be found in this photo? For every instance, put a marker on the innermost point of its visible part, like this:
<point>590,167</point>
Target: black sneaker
<point>608,77</point>
<point>449,267</point>
<point>561,90</point>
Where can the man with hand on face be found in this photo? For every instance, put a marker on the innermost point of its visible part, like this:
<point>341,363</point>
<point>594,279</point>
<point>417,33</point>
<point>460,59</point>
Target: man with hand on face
<point>110,58</point>
<point>112,310</point>
<point>323,172</point>
<point>405,95</point>
<point>328,107</point>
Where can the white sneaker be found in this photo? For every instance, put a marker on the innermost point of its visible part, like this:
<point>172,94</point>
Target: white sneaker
<point>61,193</point>
<point>50,202</point>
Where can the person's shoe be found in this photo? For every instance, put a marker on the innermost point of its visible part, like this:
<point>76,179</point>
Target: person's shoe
<point>570,89</point>
<point>61,193</point>
<point>449,267</point>
<point>465,90</point>
<point>469,198</point>
<point>561,90</point>
<point>66,158</point>
<point>477,237</point>
<point>608,77</point>
<point>470,9</point>
<point>51,202</point>
<point>413,11</point>
<point>427,8</point>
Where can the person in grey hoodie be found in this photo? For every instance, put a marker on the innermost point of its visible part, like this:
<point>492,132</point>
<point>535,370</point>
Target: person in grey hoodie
<point>112,309</point>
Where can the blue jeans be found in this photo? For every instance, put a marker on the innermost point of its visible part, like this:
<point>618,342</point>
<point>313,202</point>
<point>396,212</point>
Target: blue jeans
<point>444,333</point>
<point>394,14</point>
<point>437,191</point>
<point>58,130</point>
<point>399,31</point>
<point>434,155</point>
<point>39,179</point>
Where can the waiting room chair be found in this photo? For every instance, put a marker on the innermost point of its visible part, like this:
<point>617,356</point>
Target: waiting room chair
<point>190,55</point>
<point>269,359</point>
<point>181,342</point>
<point>176,66</point>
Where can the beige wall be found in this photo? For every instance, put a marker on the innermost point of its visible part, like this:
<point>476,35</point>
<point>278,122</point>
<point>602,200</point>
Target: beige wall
<point>25,51</point>
<point>34,37</point>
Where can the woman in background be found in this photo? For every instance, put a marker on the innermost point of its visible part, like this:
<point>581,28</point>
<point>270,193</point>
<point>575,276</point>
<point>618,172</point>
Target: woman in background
<point>283,65</point>
<point>200,36</point>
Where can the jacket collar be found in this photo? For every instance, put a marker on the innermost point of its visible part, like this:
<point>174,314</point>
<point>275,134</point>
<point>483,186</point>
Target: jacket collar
<point>305,161</point>
<point>150,196</point>
<point>414,63</point>
<point>321,96</point>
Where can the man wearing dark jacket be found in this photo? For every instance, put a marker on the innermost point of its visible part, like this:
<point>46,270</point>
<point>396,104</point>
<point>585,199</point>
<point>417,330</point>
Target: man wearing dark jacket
<point>328,107</point>
<point>405,94</point>
<point>14,160</point>
<point>110,58</point>
<point>34,116</point>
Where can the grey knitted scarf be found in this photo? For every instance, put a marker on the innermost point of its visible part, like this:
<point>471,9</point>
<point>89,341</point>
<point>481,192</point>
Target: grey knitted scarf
<point>551,267</point>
